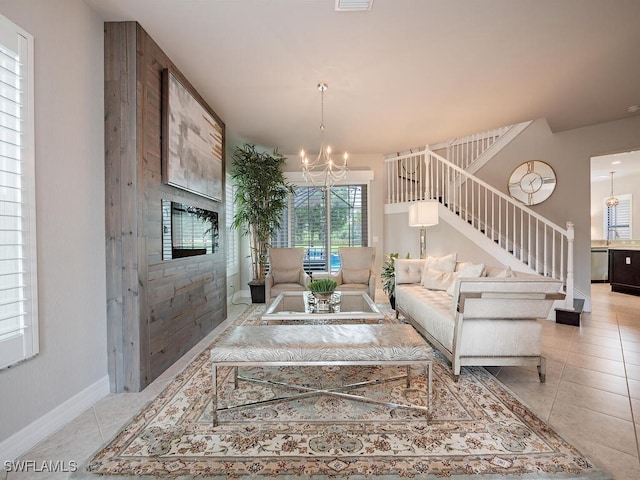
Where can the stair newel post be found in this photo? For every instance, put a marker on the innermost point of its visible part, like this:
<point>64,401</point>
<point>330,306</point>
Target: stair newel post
<point>569,288</point>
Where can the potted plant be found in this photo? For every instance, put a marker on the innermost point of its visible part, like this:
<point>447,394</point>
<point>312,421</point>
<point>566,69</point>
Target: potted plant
<point>388,275</point>
<point>261,196</point>
<point>322,288</point>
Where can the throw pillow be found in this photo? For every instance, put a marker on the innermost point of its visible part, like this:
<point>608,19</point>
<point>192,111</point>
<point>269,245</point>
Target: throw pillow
<point>291,275</point>
<point>472,270</point>
<point>468,270</point>
<point>440,264</point>
<point>506,273</point>
<point>352,275</point>
<point>437,280</point>
<point>446,263</point>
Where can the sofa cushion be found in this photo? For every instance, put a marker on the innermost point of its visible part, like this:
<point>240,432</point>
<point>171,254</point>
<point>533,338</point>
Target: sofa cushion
<point>290,275</point>
<point>429,309</point>
<point>437,280</point>
<point>408,270</point>
<point>466,270</point>
<point>351,275</point>
<point>504,273</point>
<point>446,263</point>
<point>432,266</point>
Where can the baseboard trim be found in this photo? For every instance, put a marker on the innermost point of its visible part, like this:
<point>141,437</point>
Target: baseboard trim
<point>27,438</point>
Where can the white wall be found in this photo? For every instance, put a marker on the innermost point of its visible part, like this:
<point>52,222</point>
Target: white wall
<point>442,239</point>
<point>69,143</point>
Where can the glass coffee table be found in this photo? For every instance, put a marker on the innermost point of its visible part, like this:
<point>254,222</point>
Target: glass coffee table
<point>342,306</point>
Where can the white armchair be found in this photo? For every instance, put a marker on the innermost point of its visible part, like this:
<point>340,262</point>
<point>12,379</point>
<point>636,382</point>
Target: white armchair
<point>357,270</point>
<point>286,273</point>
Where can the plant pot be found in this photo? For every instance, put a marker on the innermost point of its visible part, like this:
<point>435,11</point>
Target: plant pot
<point>322,295</point>
<point>257,291</point>
<point>392,301</point>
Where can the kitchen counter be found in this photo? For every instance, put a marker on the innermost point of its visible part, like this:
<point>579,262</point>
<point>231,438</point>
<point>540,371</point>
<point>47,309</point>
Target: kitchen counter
<point>624,269</point>
<point>616,244</point>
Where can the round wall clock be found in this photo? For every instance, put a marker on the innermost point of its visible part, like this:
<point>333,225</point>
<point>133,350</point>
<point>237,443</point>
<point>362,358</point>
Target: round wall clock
<point>532,182</point>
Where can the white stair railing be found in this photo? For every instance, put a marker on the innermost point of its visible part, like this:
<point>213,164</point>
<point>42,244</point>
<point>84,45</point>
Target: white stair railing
<point>463,151</point>
<point>405,177</point>
<point>540,245</point>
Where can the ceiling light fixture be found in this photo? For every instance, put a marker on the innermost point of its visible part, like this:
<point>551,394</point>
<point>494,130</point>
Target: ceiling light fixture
<point>323,171</point>
<point>633,108</point>
<point>612,201</point>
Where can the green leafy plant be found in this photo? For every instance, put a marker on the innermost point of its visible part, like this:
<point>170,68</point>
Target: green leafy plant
<point>388,274</point>
<point>322,285</point>
<point>261,195</point>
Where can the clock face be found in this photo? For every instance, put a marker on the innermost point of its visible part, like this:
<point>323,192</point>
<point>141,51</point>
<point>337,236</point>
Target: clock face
<point>532,182</point>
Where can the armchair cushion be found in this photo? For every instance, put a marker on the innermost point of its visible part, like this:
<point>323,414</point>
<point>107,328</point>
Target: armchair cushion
<point>289,275</point>
<point>353,275</point>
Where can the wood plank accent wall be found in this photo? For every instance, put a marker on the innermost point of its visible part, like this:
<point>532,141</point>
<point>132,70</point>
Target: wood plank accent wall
<point>156,310</point>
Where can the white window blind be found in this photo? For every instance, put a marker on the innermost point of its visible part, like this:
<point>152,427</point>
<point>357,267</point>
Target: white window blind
<point>18,293</point>
<point>233,245</point>
<point>618,219</point>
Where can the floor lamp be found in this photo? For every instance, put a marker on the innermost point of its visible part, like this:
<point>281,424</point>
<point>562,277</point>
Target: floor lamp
<point>423,214</point>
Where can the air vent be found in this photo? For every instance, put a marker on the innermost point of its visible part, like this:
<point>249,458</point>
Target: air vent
<point>353,5</point>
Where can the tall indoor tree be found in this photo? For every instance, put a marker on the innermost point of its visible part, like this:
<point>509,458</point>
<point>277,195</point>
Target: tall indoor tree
<point>262,193</point>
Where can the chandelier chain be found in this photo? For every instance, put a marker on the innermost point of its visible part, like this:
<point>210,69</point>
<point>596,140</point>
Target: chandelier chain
<point>612,201</point>
<point>323,171</point>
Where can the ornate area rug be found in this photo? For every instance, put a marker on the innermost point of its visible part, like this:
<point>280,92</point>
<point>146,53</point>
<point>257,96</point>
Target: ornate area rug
<point>476,429</point>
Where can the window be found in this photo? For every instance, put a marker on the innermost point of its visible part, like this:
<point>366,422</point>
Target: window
<point>323,221</point>
<point>233,246</point>
<point>617,220</point>
<point>18,294</point>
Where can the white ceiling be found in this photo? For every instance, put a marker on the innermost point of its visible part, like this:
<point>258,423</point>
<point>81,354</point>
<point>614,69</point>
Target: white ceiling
<point>406,73</point>
<point>623,164</point>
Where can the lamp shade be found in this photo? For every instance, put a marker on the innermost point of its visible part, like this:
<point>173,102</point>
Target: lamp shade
<point>423,214</point>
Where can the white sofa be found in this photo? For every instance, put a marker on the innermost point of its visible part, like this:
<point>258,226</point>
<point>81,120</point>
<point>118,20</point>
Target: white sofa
<point>488,320</point>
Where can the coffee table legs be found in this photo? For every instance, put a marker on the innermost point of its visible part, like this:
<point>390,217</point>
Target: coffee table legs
<point>307,391</point>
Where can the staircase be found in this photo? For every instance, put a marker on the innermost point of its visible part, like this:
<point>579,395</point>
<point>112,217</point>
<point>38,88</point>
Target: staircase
<point>508,230</point>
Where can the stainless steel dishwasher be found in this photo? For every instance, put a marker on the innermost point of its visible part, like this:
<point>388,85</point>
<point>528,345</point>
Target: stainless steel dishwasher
<point>599,265</point>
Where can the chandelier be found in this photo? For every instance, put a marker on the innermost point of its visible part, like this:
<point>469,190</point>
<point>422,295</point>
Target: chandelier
<point>612,201</point>
<point>323,171</point>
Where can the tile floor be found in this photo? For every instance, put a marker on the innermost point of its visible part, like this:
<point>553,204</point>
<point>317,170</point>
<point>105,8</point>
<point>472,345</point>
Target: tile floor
<point>591,397</point>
